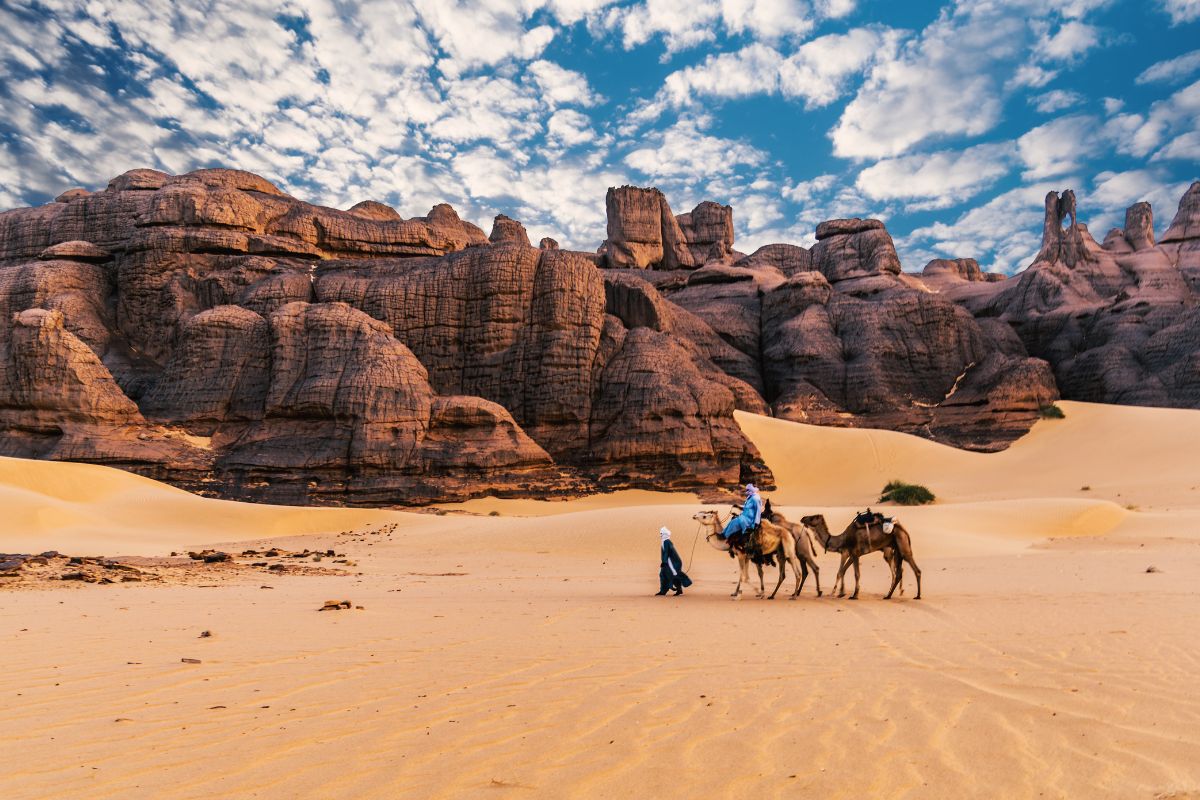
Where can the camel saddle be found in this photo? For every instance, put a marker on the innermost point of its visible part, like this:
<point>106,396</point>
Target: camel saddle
<point>748,541</point>
<point>865,518</point>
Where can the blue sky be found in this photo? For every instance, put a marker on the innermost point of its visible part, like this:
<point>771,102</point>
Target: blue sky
<point>950,121</point>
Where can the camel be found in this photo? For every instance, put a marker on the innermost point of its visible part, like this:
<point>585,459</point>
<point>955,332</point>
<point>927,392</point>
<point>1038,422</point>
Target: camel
<point>806,547</point>
<point>857,541</point>
<point>773,541</point>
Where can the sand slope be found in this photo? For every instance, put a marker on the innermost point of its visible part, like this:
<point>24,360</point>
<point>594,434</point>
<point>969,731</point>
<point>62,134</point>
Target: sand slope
<point>522,656</point>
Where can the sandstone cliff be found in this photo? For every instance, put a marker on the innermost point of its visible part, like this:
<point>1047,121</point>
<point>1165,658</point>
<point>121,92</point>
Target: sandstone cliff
<point>210,330</point>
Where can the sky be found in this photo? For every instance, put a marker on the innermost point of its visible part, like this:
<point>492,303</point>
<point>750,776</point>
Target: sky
<point>948,120</point>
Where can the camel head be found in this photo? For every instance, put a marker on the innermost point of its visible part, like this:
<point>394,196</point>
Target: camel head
<point>817,523</point>
<point>713,520</point>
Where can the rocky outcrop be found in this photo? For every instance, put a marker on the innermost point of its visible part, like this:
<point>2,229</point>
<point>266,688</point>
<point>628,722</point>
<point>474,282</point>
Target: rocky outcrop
<point>237,341</point>
<point>506,229</point>
<point>642,231</point>
<point>900,359</point>
<point>1067,245</point>
<point>853,249</point>
<point>708,231</point>
<point>210,330</point>
<point>1121,325</point>
<point>787,258</point>
<point>1186,224</point>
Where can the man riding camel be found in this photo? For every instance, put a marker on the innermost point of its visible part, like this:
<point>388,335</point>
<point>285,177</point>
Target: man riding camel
<point>751,516</point>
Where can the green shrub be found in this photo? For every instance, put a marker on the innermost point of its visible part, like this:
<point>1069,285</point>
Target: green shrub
<point>906,494</point>
<point>1051,411</point>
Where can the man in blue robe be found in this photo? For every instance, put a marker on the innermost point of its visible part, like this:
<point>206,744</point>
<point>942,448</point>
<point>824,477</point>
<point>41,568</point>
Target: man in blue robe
<point>751,515</point>
<point>670,574</point>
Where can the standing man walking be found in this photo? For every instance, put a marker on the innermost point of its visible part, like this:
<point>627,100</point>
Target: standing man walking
<point>670,574</point>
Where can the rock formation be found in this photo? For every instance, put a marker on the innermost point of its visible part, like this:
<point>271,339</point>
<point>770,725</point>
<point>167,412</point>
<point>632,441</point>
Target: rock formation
<point>642,231</point>
<point>210,330</point>
<point>1119,323</point>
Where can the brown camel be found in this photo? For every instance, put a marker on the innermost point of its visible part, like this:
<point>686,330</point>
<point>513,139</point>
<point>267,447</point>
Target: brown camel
<point>772,541</point>
<point>858,540</point>
<point>806,548</point>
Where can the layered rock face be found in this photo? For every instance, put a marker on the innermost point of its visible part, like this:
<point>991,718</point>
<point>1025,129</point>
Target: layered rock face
<point>1119,322</point>
<point>841,336</point>
<point>210,330</point>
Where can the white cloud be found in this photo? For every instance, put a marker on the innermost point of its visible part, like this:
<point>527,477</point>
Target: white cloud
<point>562,86</point>
<point>937,180</point>
<point>1071,41</point>
<point>943,83</point>
<point>1182,11</point>
<point>684,24</point>
<point>1055,100</point>
<point>1003,233</point>
<point>570,128</point>
<point>686,153</point>
<point>1139,135</point>
<point>1119,190</point>
<point>477,33</point>
<point>752,70</point>
<point>817,72</point>
<point>953,78</point>
<point>805,191</point>
<point>1171,70</point>
<point>1031,76</point>
<point>1185,146</point>
<point>1059,146</point>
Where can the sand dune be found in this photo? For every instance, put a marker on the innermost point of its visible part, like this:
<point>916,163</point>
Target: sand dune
<point>522,655</point>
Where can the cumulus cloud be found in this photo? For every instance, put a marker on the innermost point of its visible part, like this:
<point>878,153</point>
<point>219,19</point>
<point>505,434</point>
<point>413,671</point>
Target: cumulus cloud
<point>1171,70</point>
<point>1055,100</point>
<point>683,24</point>
<point>1059,146</point>
<point>1181,11</point>
<point>684,152</point>
<point>937,180</point>
<point>952,79</point>
<point>497,106</point>
<point>1070,41</point>
<point>817,72</point>
<point>1142,134</point>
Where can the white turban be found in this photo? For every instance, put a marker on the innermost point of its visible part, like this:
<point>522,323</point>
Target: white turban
<point>663,533</point>
<point>751,488</point>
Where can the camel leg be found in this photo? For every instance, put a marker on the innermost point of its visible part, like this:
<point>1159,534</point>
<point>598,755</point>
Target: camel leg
<point>904,551</point>
<point>897,577</point>
<point>855,595</point>
<point>816,571</point>
<point>782,575</point>
<point>742,575</point>
<point>803,575</point>
<point>839,584</point>
<point>762,587</point>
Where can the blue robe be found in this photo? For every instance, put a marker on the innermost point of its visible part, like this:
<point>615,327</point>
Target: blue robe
<point>670,573</point>
<point>749,518</point>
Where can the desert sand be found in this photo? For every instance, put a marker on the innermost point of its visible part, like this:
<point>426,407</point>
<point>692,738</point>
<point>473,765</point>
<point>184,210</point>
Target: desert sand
<point>523,655</point>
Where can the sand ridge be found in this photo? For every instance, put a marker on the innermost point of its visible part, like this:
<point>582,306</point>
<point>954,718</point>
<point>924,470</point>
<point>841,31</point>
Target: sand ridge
<point>521,655</point>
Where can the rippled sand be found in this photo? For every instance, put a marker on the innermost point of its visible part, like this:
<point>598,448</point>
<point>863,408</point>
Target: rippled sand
<point>523,655</point>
